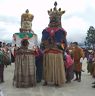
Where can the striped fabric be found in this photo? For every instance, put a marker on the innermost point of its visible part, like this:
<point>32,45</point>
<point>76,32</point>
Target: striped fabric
<point>24,74</point>
<point>53,67</point>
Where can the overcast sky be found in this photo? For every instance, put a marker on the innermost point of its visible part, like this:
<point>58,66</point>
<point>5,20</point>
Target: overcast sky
<point>80,14</point>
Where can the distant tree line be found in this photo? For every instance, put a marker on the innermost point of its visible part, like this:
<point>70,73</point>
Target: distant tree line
<point>90,38</point>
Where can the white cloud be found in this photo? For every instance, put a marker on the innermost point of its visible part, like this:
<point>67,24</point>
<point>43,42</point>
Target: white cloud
<point>73,6</point>
<point>92,3</point>
<point>2,25</point>
<point>71,21</point>
<point>76,28</point>
<point>75,22</point>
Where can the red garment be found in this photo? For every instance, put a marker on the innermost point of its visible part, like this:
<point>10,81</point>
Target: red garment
<point>55,51</point>
<point>69,61</point>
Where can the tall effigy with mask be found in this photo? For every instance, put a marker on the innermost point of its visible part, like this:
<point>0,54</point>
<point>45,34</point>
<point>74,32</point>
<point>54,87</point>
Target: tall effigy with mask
<point>53,44</point>
<point>54,30</point>
<point>26,31</point>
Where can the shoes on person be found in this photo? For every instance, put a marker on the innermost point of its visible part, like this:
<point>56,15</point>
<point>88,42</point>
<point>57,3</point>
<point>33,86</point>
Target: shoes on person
<point>45,84</point>
<point>93,86</point>
<point>82,70</point>
<point>68,81</point>
<point>93,82</point>
<point>76,79</point>
<point>1,81</point>
<point>38,81</point>
<point>79,80</point>
<point>57,85</point>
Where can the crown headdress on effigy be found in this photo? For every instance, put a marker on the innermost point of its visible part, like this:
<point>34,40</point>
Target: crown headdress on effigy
<point>26,21</point>
<point>55,16</point>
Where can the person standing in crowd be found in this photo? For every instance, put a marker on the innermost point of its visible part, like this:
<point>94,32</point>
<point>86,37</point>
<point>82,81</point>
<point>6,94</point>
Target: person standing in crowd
<point>69,66</point>
<point>5,50</point>
<point>25,70</point>
<point>39,64</point>
<point>83,61</point>
<point>93,69</point>
<point>2,63</point>
<point>93,66</point>
<point>90,62</point>
<point>77,54</point>
<point>1,66</point>
<point>4,47</point>
<point>15,48</point>
<point>9,52</point>
<point>13,52</point>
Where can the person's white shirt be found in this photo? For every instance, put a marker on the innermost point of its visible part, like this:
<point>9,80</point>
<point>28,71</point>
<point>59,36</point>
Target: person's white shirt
<point>83,61</point>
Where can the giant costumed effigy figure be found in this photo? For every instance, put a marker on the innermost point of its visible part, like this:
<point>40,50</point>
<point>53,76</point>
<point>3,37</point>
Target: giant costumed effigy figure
<point>53,44</point>
<point>26,40</point>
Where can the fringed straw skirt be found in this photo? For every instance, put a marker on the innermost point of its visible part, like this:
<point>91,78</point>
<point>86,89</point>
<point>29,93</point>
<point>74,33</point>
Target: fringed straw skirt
<point>25,72</point>
<point>53,67</point>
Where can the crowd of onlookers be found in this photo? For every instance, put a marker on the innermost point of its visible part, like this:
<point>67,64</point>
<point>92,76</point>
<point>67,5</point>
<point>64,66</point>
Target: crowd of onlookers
<point>6,58</point>
<point>91,64</point>
<point>74,58</point>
